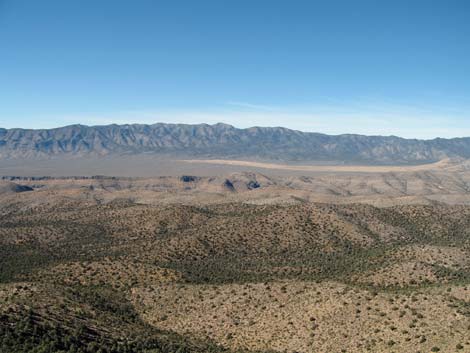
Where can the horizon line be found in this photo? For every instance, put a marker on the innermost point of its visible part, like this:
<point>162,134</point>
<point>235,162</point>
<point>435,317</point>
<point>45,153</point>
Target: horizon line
<point>233,126</point>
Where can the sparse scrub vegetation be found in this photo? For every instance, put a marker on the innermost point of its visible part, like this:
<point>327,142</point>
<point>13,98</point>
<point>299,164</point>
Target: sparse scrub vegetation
<point>77,276</point>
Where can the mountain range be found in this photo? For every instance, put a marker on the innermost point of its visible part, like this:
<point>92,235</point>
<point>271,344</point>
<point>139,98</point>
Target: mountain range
<point>224,141</point>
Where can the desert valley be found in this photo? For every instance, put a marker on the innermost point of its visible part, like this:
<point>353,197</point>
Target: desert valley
<point>245,176</point>
<point>258,256</point>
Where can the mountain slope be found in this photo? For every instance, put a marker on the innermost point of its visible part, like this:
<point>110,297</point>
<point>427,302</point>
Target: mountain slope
<point>224,141</point>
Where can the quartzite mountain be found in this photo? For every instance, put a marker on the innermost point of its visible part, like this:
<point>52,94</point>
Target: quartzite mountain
<point>225,141</point>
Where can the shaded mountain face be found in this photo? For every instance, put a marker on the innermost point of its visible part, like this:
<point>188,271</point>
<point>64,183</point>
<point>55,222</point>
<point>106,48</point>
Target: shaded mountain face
<point>225,141</point>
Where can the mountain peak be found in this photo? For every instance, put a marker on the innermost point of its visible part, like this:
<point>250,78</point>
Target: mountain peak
<point>225,141</point>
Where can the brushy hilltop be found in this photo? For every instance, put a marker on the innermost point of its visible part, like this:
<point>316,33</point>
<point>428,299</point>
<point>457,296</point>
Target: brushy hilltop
<point>225,141</point>
<point>78,275</point>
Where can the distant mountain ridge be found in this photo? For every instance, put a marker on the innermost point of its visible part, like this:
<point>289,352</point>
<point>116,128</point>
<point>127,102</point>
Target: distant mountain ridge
<point>225,141</point>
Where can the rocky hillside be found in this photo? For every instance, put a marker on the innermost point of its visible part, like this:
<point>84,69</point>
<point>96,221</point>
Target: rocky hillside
<point>224,141</point>
<point>122,277</point>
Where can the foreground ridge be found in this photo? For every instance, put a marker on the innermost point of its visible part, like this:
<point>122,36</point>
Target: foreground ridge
<point>84,274</point>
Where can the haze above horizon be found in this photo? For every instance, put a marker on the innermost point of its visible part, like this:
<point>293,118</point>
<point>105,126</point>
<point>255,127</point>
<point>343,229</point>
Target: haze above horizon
<point>398,68</point>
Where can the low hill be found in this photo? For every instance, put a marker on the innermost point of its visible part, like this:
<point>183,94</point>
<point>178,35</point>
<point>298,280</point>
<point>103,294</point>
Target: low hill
<point>7,187</point>
<point>81,276</point>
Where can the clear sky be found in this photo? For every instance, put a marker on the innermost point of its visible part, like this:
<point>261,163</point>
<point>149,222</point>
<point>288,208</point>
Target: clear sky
<point>373,67</point>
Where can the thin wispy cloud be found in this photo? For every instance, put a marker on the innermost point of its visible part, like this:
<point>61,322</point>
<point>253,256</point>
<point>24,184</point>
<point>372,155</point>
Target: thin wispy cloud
<point>252,106</point>
<point>358,118</point>
<point>330,115</point>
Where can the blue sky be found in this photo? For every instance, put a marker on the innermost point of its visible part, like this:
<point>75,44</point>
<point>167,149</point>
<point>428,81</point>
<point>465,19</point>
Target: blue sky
<point>372,67</point>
